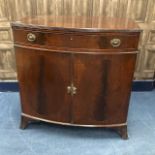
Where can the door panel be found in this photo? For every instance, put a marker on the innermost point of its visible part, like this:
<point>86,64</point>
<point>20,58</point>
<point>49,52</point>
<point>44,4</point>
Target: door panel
<point>103,85</point>
<point>44,77</point>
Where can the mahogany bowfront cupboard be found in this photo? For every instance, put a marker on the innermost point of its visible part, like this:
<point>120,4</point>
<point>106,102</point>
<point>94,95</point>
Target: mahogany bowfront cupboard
<point>76,70</point>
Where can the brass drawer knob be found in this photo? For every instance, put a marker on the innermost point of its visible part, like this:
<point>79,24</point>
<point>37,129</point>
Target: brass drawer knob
<point>31,37</point>
<point>115,42</point>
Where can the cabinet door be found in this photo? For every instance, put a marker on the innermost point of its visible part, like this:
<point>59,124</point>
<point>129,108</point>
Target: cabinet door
<point>43,79</point>
<point>103,85</point>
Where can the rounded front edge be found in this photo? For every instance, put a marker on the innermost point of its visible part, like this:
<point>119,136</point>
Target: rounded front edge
<point>70,124</point>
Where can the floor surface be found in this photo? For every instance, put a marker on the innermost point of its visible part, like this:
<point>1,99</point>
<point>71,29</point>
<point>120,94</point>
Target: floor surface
<point>47,139</point>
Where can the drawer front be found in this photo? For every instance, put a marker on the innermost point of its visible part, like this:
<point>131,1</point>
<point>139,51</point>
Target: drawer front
<point>83,40</point>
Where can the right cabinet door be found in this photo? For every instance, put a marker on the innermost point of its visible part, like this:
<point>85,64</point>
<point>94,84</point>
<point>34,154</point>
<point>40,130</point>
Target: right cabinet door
<point>103,83</point>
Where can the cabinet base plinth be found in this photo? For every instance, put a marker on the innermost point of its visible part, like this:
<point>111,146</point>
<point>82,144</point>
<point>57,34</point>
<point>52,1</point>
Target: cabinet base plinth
<point>120,128</point>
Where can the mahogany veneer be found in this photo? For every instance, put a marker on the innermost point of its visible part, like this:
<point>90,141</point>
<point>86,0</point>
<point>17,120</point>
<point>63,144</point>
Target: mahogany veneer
<point>76,70</point>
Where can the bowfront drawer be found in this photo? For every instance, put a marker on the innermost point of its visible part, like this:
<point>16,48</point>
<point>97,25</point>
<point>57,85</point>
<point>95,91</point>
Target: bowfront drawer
<point>107,40</point>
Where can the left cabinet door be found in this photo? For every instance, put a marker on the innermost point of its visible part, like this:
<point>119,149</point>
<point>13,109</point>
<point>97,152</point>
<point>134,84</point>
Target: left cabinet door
<point>43,79</point>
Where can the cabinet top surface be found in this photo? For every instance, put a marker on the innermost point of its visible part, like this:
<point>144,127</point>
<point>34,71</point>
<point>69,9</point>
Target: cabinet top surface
<point>78,23</point>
